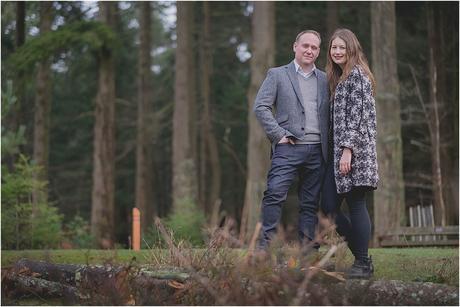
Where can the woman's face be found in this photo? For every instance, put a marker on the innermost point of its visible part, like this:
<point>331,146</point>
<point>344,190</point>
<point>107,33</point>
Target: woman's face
<point>339,51</point>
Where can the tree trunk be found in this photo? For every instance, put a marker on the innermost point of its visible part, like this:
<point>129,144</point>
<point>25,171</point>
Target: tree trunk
<point>439,205</point>
<point>332,17</point>
<point>258,157</point>
<point>389,204</point>
<point>451,29</point>
<point>43,108</point>
<point>102,210</point>
<point>14,120</point>
<point>204,180</point>
<point>20,23</point>
<point>442,51</point>
<point>185,186</point>
<point>203,172</point>
<point>212,199</point>
<point>144,199</point>
<point>192,85</point>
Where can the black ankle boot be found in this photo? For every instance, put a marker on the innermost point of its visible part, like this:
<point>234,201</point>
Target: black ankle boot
<point>361,269</point>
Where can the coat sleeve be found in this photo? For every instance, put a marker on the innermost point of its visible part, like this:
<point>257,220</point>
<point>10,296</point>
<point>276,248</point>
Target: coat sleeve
<point>263,108</point>
<point>359,102</point>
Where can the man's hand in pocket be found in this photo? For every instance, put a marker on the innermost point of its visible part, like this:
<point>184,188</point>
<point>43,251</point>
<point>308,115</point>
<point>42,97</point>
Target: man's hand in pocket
<point>286,140</point>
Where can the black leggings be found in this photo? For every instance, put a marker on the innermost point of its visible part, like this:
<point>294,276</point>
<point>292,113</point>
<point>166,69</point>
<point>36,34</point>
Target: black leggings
<point>356,228</point>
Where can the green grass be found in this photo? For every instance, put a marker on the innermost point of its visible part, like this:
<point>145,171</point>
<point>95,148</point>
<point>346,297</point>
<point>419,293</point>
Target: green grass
<point>76,256</point>
<point>440,265</point>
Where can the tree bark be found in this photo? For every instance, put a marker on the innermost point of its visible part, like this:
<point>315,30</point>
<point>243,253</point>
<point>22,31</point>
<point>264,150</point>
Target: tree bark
<point>20,23</point>
<point>74,274</point>
<point>15,118</point>
<point>451,29</point>
<point>434,118</point>
<point>448,106</point>
<point>144,186</point>
<point>392,292</point>
<point>203,171</point>
<point>258,157</point>
<point>43,108</point>
<point>102,210</point>
<point>212,200</point>
<point>389,204</point>
<point>185,186</point>
<point>19,286</point>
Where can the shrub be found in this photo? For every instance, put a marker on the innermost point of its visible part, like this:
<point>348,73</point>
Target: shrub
<point>11,140</point>
<point>151,238</point>
<point>78,233</point>
<point>25,225</point>
<point>186,223</point>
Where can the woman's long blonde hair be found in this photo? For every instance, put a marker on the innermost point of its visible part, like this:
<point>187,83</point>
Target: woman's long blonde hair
<point>355,56</point>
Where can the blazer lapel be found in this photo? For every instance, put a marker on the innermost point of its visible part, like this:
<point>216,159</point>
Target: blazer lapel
<point>319,90</point>
<point>295,82</point>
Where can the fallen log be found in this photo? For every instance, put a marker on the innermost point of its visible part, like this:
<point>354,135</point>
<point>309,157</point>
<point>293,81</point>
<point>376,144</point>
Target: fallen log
<point>102,284</point>
<point>118,285</point>
<point>69,274</point>
<point>17,286</point>
<point>395,292</point>
<point>387,293</point>
<point>73,274</point>
<point>332,288</point>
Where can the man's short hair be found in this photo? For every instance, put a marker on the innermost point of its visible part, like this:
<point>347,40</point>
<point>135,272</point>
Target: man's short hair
<point>308,31</point>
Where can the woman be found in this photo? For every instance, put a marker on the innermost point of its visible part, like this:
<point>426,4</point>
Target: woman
<point>352,166</point>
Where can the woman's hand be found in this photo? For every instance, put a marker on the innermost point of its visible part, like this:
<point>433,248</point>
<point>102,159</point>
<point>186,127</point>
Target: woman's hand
<point>345,162</point>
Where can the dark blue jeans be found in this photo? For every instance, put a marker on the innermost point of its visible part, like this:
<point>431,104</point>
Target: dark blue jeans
<point>289,161</point>
<point>356,228</point>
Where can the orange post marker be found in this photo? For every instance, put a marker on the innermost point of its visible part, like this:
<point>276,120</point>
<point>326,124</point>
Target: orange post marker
<point>136,241</point>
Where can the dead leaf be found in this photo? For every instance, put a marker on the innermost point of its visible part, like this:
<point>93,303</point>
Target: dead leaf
<point>131,301</point>
<point>292,262</point>
<point>176,284</point>
<point>23,270</point>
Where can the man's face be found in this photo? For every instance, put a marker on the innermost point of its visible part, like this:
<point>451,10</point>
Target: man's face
<point>306,49</point>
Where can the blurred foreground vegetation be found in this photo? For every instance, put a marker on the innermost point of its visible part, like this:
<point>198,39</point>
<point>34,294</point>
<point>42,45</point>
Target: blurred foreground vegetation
<point>439,265</point>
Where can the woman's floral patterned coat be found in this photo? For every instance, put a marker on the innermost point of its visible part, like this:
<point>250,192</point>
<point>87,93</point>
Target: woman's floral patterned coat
<point>354,125</point>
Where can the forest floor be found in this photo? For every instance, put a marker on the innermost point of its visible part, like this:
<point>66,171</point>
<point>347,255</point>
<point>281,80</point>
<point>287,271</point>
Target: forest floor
<point>438,265</point>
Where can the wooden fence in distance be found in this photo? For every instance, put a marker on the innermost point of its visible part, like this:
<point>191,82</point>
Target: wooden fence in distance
<point>422,231</point>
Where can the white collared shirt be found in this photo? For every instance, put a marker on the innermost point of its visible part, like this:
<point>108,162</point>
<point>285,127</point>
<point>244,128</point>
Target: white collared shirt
<point>300,71</point>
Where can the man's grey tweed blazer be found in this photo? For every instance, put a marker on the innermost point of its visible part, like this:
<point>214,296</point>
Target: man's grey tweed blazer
<point>279,108</point>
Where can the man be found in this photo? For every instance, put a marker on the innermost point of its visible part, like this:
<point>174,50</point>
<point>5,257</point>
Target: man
<point>299,135</point>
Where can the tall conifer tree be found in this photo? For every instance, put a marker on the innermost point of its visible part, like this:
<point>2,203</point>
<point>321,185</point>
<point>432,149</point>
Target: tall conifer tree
<point>263,57</point>
<point>389,204</point>
<point>103,204</point>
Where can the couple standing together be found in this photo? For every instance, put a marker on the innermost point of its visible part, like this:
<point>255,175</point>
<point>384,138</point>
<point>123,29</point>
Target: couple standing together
<point>324,133</point>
